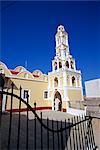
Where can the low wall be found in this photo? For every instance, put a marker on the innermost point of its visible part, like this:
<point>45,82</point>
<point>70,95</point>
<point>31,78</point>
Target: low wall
<point>76,112</point>
<point>93,109</point>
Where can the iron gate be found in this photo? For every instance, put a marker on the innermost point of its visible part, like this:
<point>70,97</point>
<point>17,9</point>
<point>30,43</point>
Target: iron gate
<point>19,132</point>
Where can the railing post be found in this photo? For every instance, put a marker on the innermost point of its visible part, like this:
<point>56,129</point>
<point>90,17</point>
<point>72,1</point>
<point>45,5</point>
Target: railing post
<point>9,135</point>
<point>73,133</point>
<point>66,137</point>
<point>53,132</point>
<point>27,123</point>
<point>19,120</point>
<point>47,134</point>
<point>82,133</point>
<point>1,102</point>
<point>85,132</point>
<point>69,134</point>
<point>41,133</point>
<point>93,141</point>
<point>61,136</point>
<point>35,128</point>
<point>58,136</point>
<point>76,134</point>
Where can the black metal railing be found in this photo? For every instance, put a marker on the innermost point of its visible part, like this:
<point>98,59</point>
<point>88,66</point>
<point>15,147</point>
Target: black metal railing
<point>20,131</point>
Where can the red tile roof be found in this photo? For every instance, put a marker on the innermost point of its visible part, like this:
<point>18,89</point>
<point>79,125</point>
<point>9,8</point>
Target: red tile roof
<point>14,72</point>
<point>35,76</point>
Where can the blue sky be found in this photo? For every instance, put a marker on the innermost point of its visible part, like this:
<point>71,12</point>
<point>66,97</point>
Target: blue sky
<point>28,33</point>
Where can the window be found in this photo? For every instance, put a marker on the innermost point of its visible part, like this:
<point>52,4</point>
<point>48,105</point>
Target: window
<point>25,94</point>
<point>46,94</point>
<point>60,65</point>
<point>55,64</point>
<point>67,64</point>
<point>73,81</point>
<point>56,82</point>
<point>72,65</point>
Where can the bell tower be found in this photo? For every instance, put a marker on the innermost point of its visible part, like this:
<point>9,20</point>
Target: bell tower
<point>62,47</point>
<point>63,59</point>
<point>64,77</point>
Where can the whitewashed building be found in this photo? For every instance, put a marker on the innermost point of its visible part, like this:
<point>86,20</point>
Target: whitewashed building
<point>92,88</point>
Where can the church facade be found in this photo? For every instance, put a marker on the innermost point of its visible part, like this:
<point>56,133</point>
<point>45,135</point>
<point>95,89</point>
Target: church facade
<point>53,91</point>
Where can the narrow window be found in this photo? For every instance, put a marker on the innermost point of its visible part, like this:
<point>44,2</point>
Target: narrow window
<point>25,94</point>
<point>72,65</point>
<point>73,81</point>
<point>56,82</point>
<point>55,64</point>
<point>60,65</point>
<point>67,64</point>
<point>46,94</point>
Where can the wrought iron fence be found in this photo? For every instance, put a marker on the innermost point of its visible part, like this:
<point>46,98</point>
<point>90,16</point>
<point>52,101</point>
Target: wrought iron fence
<point>20,132</point>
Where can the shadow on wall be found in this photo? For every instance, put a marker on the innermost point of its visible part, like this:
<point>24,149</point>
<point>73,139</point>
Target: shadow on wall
<point>54,140</point>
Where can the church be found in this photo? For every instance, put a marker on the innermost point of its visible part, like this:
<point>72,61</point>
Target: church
<point>50,91</point>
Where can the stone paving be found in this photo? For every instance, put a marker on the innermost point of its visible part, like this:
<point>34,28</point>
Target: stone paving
<point>50,114</point>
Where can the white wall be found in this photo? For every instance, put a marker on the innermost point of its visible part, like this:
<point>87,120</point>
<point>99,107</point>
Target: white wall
<point>76,112</point>
<point>92,88</point>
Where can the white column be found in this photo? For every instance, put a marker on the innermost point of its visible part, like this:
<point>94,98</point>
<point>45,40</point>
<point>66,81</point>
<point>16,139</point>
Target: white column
<point>53,101</point>
<point>57,64</point>
<point>53,83</point>
<point>80,81</point>
<point>76,82</point>
<point>3,102</point>
<point>63,65</point>
<point>53,67</point>
<point>49,87</point>
<point>70,80</point>
<point>69,64</point>
<point>59,82</point>
<point>65,85</point>
<point>81,87</point>
<point>74,65</point>
<point>53,93</point>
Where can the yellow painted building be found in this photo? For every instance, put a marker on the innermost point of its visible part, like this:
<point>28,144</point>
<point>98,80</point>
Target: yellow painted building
<point>55,90</point>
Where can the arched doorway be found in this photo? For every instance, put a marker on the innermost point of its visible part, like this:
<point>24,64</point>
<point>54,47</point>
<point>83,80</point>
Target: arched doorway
<point>57,101</point>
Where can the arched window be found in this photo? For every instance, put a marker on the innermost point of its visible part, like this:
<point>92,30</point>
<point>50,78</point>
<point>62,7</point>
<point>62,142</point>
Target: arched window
<point>72,64</point>
<point>55,65</point>
<point>60,65</point>
<point>67,64</point>
<point>73,81</point>
<point>56,82</point>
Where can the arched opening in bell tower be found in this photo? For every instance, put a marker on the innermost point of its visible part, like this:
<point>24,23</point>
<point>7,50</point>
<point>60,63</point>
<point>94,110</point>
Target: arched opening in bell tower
<point>55,65</point>
<point>67,64</point>
<point>60,65</point>
<point>56,82</point>
<point>73,81</point>
<point>72,64</point>
<point>57,101</point>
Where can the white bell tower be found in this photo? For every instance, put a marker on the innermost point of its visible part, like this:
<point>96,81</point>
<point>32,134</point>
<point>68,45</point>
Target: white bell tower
<point>63,59</point>
<point>62,47</point>
<point>64,77</point>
